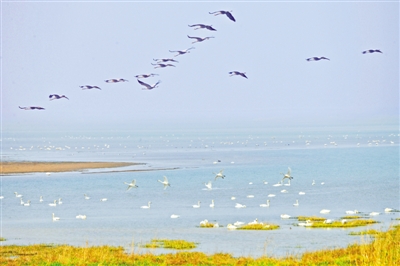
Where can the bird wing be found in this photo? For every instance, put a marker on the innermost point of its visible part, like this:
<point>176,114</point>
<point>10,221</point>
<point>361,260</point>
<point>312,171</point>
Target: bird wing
<point>144,84</point>
<point>214,12</point>
<point>165,179</point>
<point>229,15</point>
<point>289,171</point>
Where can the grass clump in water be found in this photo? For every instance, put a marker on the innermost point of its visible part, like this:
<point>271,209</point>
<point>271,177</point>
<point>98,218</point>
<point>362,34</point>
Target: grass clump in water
<point>259,226</point>
<point>349,217</point>
<point>171,244</point>
<point>2,239</point>
<point>311,218</point>
<point>207,225</point>
<point>341,224</point>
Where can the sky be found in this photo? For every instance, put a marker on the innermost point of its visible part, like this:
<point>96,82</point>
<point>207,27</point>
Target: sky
<point>55,47</point>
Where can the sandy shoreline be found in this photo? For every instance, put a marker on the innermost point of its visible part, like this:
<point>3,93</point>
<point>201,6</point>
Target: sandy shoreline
<point>44,167</point>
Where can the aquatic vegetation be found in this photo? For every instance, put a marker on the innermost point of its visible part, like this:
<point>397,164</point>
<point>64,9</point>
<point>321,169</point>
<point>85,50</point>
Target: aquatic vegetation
<point>351,217</point>
<point>383,249</point>
<point>207,225</point>
<point>311,218</point>
<point>2,239</point>
<point>343,224</point>
<point>365,232</point>
<point>172,244</point>
<point>259,226</point>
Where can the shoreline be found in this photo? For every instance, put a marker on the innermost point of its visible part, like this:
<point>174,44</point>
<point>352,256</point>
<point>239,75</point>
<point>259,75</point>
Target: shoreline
<point>26,167</point>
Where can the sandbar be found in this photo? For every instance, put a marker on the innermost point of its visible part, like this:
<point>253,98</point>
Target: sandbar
<point>39,167</point>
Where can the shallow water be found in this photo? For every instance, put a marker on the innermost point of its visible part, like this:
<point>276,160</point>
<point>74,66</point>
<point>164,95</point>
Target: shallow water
<point>360,170</point>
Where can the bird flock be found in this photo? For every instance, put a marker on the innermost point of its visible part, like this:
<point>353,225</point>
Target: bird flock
<point>167,62</point>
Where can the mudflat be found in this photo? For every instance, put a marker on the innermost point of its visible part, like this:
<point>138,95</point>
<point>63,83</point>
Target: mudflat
<point>37,167</point>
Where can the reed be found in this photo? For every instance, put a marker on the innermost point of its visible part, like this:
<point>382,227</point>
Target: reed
<point>365,232</point>
<point>207,225</point>
<point>349,217</point>
<point>259,226</point>
<point>383,249</point>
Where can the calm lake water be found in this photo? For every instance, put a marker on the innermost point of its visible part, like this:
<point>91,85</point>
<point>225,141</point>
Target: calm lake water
<point>352,170</point>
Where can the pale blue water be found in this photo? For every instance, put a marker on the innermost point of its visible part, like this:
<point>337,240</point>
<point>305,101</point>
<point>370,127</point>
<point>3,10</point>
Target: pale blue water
<point>360,172</point>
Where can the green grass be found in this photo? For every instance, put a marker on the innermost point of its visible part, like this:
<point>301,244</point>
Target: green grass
<point>260,226</point>
<point>171,244</point>
<point>349,217</point>
<point>207,225</point>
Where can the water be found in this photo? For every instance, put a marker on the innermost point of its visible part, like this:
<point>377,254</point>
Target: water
<point>359,169</point>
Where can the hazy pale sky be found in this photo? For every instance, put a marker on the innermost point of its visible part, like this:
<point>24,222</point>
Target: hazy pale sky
<point>55,47</point>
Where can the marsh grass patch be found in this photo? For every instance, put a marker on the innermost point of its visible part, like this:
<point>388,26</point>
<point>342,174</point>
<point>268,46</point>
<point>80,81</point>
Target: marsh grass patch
<point>259,226</point>
<point>170,244</point>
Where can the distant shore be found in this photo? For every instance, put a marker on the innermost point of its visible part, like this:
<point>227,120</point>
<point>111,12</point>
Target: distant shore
<point>44,167</point>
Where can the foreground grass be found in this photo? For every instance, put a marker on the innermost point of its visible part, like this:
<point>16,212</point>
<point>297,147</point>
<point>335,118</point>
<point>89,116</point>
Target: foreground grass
<point>383,250</point>
<point>172,244</point>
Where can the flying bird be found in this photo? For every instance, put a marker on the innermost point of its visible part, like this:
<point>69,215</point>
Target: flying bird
<point>115,80</point>
<point>88,87</point>
<point>31,108</point>
<point>220,174</point>
<point>235,73</point>
<point>144,76</point>
<point>372,51</point>
<point>202,26</point>
<point>181,52</point>
<point>148,87</point>
<point>199,39</point>
<point>317,58</point>
<point>158,65</point>
<point>221,12</point>
<point>56,96</point>
<point>165,182</point>
<point>287,175</point>
<point>164,60</point>
<point>131,184</point>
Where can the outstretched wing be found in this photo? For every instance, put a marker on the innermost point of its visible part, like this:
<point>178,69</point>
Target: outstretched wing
<point>229,15</point>
<point>144,84</point>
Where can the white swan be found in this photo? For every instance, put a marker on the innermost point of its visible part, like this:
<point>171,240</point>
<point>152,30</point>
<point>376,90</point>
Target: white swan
<point>81,216</point>
<point>238,205</point>
<point>265,182</point>
<point>146,206</point>
<point>296,204</point>
<point>328,221</point>
<point>233,198</point>
<point>17,195</point>
<point>231,227</point>
<point>103,199</point>
<point>285,216</point>
<point>253,222</point>
<point>352,212</point>
<point>271,195</point>
<point>374,214</point>
<point>265,205</point>
<point>302,193</point>
<point>165,182</point>
<point>131,184</point>
<point>208,185</point>
<point>59,201</point>
<point>237,223</point>
<point>21,201</point>
<point>174,216</point>
<point>325,211</point>
<point>307,223</point>
<point>28,203</point>
<point>284,191</point>
<point>41,199</point>
<point>313,182</point>
<point>54,204</point>
<point>212,204</point>
<point>250,196</point>
<point>204,222</point>
<point>86,196</point>
<point>216,225</point>
<point>220,174</point>
<point>197,205</point>
<point>55,218</point>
